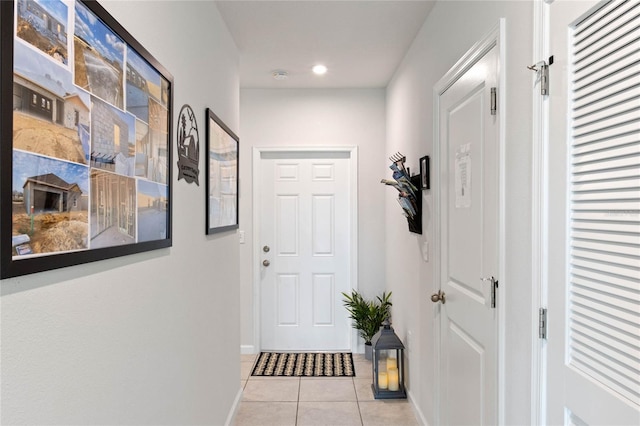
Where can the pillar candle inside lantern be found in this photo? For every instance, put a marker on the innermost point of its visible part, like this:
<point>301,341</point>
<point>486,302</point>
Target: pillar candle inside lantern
<point>392,363</point>
<point>383,382</point>
<point>392,377</point>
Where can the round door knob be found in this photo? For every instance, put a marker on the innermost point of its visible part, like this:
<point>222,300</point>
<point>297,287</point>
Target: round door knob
<point>438,297</point>
<point>266,263</point>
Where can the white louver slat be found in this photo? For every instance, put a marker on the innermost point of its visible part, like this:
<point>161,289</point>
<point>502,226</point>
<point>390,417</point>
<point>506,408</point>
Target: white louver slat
<point>604,290</point>
<point>628,52</point>
<point>598,21</point>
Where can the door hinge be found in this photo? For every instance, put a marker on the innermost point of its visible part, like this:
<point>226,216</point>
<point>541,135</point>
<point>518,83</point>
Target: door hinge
<point>542,323</point>
<point>494,101</point>
<point>542,68</point>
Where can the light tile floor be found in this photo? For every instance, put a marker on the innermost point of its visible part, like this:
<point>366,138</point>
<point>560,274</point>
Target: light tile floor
<point>318,401</point>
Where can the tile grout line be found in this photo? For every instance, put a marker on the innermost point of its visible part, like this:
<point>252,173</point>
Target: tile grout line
<point>357,401</point>
<point>298,402</point>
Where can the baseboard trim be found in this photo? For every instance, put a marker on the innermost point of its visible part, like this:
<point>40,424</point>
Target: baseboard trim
<point>234,408</point>
<point>421,419</point>
<point>248,350</point>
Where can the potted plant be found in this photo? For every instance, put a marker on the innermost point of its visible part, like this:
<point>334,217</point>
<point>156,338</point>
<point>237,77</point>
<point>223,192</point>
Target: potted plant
<point>367,315</point>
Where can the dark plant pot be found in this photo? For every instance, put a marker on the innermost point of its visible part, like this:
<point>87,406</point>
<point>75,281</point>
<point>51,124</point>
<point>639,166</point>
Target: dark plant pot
<point>368,351</point>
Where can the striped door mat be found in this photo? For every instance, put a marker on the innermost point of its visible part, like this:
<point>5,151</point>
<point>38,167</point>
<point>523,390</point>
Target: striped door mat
<point>338,364</point>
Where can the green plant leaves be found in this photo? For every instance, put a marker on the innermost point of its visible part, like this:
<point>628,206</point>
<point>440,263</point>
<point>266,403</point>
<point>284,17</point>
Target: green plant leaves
<point>367,315</point>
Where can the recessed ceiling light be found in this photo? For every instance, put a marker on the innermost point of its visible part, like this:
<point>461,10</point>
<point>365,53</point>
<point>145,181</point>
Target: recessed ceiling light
<point>280,75</point>
<point>319,69</point>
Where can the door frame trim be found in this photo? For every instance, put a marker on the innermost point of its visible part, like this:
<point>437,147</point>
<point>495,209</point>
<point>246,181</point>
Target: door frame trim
<point>539,213</point>
<point>494,38</point>
<point>353,225</point>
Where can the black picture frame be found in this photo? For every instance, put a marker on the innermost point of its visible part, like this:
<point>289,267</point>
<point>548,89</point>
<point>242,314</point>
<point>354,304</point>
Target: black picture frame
<point>85,158</point>
<point>425,181</point>
<point>223,152</point>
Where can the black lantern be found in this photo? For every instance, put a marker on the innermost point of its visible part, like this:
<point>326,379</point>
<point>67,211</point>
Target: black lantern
<point>388,364</point>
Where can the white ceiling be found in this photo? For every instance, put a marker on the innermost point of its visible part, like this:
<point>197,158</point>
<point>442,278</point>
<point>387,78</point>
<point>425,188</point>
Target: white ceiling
<point>360,41</point>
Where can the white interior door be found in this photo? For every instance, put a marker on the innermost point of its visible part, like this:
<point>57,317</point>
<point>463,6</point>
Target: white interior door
<point>306,225</point>
<point>469,213</point>
<point>593,285</point>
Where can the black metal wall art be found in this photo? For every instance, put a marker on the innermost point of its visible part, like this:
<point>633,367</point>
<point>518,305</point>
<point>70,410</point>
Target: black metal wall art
<point>188,139</point>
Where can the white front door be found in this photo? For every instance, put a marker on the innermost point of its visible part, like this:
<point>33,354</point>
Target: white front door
<point>469,265</point>
<point>593,283</point>
<point>305,247</point>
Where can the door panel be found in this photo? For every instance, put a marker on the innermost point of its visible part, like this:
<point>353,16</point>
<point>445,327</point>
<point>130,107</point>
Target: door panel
<point>323,299</point>
<point>305,221</point>
<point>593,283</point>
<point>288,288</point>
<point>468,382</point>
<point>323,227</point>
<point>469,245</point>
<point>287,212</point>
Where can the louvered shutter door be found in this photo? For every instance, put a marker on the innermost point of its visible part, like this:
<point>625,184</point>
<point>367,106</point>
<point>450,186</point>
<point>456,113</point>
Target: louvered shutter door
<point>604,291</point>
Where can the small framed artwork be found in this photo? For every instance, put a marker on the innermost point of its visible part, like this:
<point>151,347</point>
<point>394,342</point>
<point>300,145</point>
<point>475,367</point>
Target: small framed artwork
<point>222,175</point>
<point>85,125</point>
<point>424,173</point>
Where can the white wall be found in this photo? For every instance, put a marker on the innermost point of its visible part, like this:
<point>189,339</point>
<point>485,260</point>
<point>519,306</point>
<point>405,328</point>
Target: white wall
<point>150,338</point>
<point>451,29</point>
<point>317,117</point>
